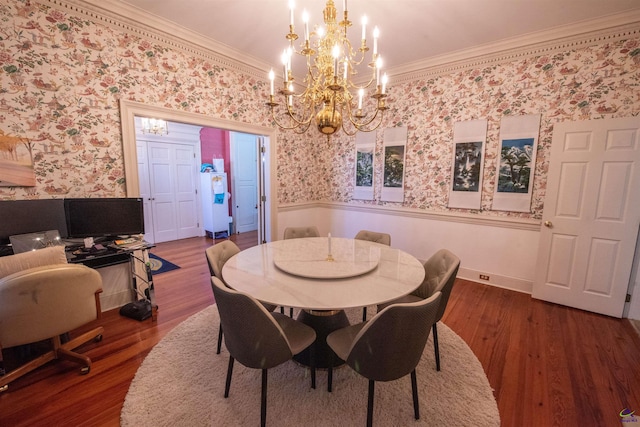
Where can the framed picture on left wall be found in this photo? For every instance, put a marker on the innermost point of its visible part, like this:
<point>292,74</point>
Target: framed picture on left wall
<point>364,175</point>
<point>395,141</point>
<point>16,161</point>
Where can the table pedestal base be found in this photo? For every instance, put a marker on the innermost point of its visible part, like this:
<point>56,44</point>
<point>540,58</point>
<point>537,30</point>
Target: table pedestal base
<point>323,322</point>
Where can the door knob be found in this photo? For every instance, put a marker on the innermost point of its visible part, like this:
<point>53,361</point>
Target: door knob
<point>548,224</point>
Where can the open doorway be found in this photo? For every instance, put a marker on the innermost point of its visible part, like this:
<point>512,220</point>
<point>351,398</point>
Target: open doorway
<point>230,185</point>
<point>130,110</point>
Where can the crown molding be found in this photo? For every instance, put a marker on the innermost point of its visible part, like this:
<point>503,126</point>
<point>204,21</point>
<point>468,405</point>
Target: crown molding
<point>130,19</point>
<point>581,34</point>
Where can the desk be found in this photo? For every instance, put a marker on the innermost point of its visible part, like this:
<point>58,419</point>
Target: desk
<point>117,292</point>
<point>362,273</point>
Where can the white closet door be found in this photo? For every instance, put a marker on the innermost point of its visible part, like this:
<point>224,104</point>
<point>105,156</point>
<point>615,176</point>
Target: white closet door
<point>185,191</point>
<point>245,184</point>
<point>163,185</point>
<point>591,215</point>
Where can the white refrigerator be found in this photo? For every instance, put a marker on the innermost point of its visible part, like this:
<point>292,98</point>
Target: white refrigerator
<point>215,203</point>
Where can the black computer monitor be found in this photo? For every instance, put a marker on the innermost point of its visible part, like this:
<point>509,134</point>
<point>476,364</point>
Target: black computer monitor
<point>104,217</point>
<point>28,216</point>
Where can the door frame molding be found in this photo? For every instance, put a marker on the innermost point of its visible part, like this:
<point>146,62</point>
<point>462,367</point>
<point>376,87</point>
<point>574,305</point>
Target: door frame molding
<point>130,109</point>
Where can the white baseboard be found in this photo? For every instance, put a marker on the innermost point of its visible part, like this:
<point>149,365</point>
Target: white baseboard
<point>505,282</point>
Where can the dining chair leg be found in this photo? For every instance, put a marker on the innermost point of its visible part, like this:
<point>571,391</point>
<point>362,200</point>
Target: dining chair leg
<point>414,390</point>
<point>263,400</point>
<point>364,314</point>
<point>219,340</point>
<point>372,384</point>
<point>312,363</point>
<point>332,358</point>
<point>329,378</point>
<point>435,346</point>
<point>228,382</point>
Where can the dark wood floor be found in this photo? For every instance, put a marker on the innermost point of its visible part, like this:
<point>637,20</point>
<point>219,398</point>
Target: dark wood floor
<point>549,365</point>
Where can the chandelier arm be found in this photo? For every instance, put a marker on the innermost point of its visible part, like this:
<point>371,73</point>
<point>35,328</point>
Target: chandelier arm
<point>299,122</point>
<point>302,130</point>
<point>363,125</point>
<point>352,85</point>
<point>296,123</point>
<point>309,107</point>
<point>344,129</point>
<point>362,128</point>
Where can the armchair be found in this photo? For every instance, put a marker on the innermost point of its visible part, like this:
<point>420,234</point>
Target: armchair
<point>43,302</point>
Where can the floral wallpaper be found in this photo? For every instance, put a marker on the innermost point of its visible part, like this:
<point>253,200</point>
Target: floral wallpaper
<point>593,82</point>
<point>62,76</point>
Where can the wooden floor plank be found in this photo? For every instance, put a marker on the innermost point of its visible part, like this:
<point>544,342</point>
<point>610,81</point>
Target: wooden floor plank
<point>548,364</point>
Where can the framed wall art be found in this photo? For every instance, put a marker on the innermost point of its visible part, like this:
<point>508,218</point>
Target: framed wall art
<point>365,155</point>
<point>468,164</point>
<point>16,162</point>
<point>395,141</point>
<point>516,163</point>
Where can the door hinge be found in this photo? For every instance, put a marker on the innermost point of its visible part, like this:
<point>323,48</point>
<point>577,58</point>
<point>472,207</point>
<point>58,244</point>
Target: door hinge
<point>262,150</point>
<point>263,198</point>
<point>628,298</point>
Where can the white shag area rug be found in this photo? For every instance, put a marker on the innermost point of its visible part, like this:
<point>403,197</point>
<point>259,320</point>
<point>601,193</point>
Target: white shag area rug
<point>181,383</point>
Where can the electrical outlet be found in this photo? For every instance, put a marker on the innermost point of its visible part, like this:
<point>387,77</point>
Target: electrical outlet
<point>484,277</point>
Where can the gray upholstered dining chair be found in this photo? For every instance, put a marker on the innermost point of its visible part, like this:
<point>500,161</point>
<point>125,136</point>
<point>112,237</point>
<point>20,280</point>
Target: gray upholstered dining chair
<point>387,347</point>
<point>256,338</point>
<point>298,232</point>
<point>440,274</point>
<point>372,236</point>
<point>217,255</point>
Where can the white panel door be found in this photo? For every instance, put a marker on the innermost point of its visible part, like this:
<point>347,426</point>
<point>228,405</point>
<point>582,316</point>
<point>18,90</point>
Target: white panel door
<point>162,184</point>
<point>185,191</point>
<point>591,215</point>
<point>174,207</point>
<point>245,176</point>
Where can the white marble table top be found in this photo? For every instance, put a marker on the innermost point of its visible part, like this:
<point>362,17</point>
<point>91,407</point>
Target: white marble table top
<point>368,273</point>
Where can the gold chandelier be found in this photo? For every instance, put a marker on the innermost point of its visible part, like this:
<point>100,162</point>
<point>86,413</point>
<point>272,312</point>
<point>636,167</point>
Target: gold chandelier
<point>154,126</point>
<point>332,63</point>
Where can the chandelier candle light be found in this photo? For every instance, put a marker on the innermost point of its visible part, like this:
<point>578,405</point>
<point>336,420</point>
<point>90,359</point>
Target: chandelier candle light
<point>330,98</point>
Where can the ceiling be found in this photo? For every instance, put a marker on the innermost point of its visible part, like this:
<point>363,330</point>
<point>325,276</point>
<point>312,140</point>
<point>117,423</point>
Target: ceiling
<point>410,30</point>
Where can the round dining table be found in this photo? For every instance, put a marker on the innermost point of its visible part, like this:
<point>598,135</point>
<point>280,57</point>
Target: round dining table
<point>322,276</point>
